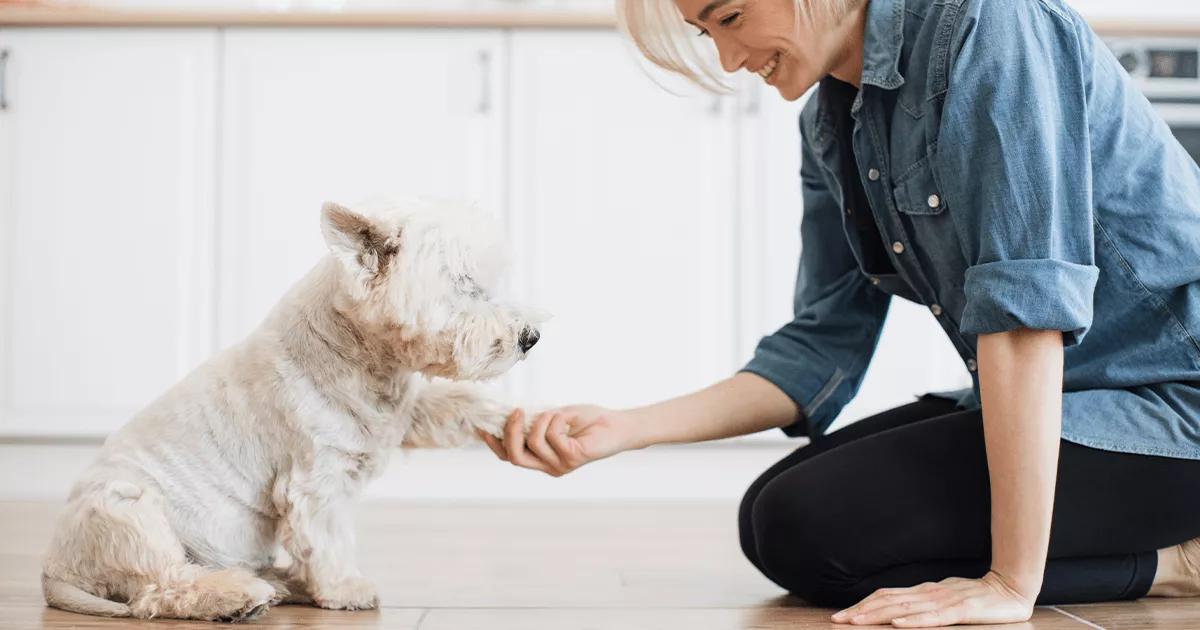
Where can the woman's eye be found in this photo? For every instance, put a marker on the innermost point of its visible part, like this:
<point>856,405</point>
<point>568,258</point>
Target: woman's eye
<point>726,21</point>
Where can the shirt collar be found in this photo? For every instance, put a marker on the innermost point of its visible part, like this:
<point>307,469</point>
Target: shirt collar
<point>884,41</point>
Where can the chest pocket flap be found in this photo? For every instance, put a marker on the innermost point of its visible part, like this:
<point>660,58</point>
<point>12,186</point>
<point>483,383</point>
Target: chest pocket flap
<point>917,191</point>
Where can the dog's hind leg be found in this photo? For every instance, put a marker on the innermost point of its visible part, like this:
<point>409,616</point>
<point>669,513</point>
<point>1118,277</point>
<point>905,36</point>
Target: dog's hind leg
<point>196,592</point>
<point>115,553</point>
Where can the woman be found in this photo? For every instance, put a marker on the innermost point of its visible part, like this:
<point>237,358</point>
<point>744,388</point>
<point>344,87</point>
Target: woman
<point>991,161</point>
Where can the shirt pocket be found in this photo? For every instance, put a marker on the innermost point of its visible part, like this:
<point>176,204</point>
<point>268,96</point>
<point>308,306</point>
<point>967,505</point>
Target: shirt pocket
<point>917,191</point>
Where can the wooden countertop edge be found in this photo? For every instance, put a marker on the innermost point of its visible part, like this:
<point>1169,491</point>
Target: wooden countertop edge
<point>70,16</point>
<point>1183,27</point>
<point>17,15</point>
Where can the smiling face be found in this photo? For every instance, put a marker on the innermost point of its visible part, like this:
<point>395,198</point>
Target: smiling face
<point>791,46</point>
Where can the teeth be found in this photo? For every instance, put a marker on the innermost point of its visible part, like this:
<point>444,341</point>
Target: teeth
<point>766,71</point>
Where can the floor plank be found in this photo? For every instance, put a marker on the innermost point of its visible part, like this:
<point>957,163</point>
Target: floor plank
<point>769,618</point>
<point>1144,614</point>
<point>26,617</point>
<point>533,566</point>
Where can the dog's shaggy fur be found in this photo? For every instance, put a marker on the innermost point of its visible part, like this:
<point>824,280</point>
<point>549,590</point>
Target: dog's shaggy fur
<point>188,507</point>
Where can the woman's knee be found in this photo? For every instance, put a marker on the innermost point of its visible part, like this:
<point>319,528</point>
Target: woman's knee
<point>796,545</point>
<point>746,527</point>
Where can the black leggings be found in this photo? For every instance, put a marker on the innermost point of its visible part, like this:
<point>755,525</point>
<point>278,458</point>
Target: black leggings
<point>903,498</point>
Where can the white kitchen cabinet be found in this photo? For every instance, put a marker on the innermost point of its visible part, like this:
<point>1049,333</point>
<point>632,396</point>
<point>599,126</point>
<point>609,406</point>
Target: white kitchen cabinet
<point>622,211</point>
<point>311,115</point>
<point>106,179</point>
<point>770,208</point>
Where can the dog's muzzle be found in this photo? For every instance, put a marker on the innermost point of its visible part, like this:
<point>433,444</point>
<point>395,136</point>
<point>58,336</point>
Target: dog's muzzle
<point>527,339</point>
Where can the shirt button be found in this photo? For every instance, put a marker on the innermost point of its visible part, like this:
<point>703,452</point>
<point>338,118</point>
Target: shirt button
<point>934,201</point>
<point>936,309</point>
<point>873,174</point>
<point>875,281</point>
<point>898,247</point>
<point>972,365</point>
<point>849,211</point>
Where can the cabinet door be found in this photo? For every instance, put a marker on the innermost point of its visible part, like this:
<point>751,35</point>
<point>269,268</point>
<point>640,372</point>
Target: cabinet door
<point>769,210</point>
<point>622,210</point>
<point>311,115</point>
<point>106,191</point>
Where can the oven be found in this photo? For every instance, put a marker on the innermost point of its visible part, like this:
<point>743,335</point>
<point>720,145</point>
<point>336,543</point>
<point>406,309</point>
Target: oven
<point>1168,72</point>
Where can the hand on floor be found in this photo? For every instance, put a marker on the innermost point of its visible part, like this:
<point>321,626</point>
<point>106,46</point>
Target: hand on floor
<point>946,603</point>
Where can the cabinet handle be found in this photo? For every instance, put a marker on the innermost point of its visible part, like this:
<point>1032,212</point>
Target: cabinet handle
<point>4,79</point>
<point>485,91</point>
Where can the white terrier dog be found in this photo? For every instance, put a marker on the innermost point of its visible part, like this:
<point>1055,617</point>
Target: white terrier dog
<point>262,447</point>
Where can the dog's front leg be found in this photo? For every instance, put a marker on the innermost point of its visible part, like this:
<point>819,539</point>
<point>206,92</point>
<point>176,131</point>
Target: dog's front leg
<point>447,413</point>
<point>317,531</point>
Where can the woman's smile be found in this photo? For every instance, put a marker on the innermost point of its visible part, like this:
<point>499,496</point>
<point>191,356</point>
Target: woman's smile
<point>768,69</point>
<point>788,47</point>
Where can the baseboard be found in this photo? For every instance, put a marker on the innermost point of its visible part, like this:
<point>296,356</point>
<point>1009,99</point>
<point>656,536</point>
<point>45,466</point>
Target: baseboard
<point>44,470</point>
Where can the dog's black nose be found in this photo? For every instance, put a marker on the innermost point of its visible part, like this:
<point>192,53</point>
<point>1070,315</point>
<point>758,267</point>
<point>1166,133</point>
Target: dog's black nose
<point>527,339</point>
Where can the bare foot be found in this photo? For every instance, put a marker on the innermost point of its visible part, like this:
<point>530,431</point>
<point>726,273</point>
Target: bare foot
<point>1178,572</point>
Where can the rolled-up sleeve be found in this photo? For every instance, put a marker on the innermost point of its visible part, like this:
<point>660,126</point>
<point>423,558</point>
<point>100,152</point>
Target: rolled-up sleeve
<point>1014,160</point>
<point>819,359</point>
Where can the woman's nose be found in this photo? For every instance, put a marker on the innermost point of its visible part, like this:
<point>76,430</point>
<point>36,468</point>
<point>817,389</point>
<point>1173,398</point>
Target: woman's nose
<point>733,55</point>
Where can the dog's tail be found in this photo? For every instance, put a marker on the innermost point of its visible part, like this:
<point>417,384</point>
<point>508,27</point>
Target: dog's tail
<point>71,598</point>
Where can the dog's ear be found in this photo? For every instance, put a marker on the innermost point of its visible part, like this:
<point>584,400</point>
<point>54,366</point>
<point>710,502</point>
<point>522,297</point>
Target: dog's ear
<point>356,239</point>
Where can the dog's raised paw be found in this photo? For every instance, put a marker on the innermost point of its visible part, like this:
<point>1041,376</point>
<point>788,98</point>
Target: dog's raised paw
<point>352,593</point>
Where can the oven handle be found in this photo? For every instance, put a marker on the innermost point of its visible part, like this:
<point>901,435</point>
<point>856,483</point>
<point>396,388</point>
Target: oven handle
<point>1179,113</point>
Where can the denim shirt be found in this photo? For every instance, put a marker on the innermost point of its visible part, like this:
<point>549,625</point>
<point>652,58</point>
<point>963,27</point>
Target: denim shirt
<point>1019,179</point>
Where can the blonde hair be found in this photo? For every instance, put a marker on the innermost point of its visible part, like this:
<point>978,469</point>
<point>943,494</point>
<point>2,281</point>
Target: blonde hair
<point>667,41</point>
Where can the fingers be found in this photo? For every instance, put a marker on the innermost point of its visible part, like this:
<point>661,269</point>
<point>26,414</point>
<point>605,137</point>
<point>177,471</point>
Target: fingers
<point>871,602</point>
<point>514,436</point>
<point>887,604</point>
<point>889,608</point>
<point>557,434</point>
<point>514,445</point>
<point>536,441</point>
<point>493,444</point>
<point>943,616</point>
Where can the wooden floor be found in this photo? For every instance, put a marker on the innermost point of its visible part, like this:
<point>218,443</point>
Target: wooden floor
<point>534,567</point>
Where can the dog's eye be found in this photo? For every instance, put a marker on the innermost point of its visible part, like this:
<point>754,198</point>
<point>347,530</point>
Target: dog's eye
<point>470,288</point>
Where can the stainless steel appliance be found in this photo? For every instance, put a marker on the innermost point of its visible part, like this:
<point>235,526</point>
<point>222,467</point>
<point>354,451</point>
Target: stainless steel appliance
<point>1168,71</point>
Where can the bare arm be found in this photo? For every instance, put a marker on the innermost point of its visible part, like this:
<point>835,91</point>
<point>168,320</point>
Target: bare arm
<point>1020,376</point>
<point>1021,384</point>
<point>742,404</point>
<point>560,440</point>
